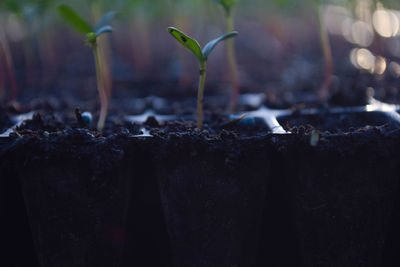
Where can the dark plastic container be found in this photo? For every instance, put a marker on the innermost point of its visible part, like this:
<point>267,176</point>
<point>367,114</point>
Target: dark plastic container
<point>344,186</point>
<point>92,202</point>
<point>213,196</point>
<point>76,197</point>
<point>17,243</point>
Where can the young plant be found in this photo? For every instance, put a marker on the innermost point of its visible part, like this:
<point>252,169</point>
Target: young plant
<point>325,44</point>
<point>8,6</point>
<point>31,14</point>
<point>92,34</point>
<point>228,7</point>
<point>326,48</point>
<point>202,56</point>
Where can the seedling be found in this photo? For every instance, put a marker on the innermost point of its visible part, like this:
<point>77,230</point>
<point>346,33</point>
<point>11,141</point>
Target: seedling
<point>30,13</point>
<point>228,7</point>
<point>325,44</point>
<point>5,49</point>
<point>202,56</point>
<point>92,34</point>
<point>326,48</point>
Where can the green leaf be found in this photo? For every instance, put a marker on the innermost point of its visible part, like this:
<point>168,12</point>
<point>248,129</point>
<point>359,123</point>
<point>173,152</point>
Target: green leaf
<point>227,4</point>
<point>187,42</point>
<point>105,19</point>
<point>211,45</point>
<point>13,6</point>
<point>72,18</point>
<point>104,29</point>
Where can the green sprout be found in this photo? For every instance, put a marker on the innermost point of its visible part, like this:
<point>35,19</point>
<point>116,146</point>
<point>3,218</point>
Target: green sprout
<point>228,7</point>
<point>92,33</point>
<point>202,56</point>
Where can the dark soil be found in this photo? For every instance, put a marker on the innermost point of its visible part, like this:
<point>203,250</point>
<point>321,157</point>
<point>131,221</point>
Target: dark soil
<point>336,123</point>
<point>5,120</point>
<point>187,197</point>
<point>49,121</point>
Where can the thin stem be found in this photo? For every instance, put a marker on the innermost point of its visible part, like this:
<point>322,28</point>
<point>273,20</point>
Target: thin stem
<point>103,46</point>
<point>4,45</point>
<point>326,47</point>
<point>101,89</point>
<point>200,95</point>
<point>232,62</point>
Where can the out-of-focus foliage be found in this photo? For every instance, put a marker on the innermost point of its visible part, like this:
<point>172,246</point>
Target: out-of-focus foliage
<point>82,26</point>
<point>26,9</point>
<point>74,19</point>
<point>41,15</point>
<point>227,4</point>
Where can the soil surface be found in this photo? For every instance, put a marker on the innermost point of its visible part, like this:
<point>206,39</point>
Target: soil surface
<point>339,123</point>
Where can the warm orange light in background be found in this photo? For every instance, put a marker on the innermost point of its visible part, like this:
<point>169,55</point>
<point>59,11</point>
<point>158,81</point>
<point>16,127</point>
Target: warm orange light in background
<point>386,22</point>
<point>335,17</point>
<point>340,21</point>
<point>363,59</point>
<point>380,65</point>
<point>359,27</point>
<point>394,69</point>
<point>362,33</point>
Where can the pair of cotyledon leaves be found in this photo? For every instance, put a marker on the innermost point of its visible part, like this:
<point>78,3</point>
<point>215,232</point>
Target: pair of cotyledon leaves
<point>82,26</point>
<point>193,45</point>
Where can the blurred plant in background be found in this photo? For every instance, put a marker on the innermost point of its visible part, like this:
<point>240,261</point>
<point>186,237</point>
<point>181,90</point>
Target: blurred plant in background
<point>274,33</point>
<point>228,6</point>
<point>92,34</point>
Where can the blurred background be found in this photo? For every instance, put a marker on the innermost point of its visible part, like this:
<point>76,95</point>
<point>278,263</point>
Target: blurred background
<point>278,49</point>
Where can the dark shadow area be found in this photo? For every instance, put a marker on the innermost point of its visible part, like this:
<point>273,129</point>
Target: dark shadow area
<point>147,242</point>
<point>278,241</point>
<point>16,236</point>
<point>391,254</point>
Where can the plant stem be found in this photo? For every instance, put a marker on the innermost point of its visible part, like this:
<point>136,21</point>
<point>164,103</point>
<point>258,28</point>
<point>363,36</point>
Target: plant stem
<point>101,89</point>
<point>232,62</point>
<point>326,47</point>
<point>5,47</point>
<point>104,47</point>
<point>200,95</point>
